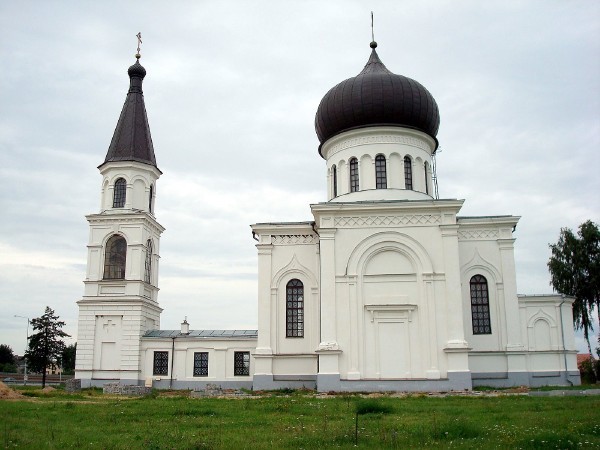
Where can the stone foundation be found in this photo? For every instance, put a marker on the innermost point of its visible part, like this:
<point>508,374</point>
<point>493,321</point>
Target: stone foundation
<point>124,389</point>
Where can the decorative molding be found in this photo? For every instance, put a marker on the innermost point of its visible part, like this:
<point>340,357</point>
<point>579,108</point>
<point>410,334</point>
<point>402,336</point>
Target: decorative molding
<point>385,221</point>
<point>472,235</point>
<point>380,139</point>
<point>295,239</point>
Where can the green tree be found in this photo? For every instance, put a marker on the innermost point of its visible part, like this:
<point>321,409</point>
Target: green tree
<point>68,359</point>
<point>45,345</point>
<point>7,359</point>
<point>575,270</point>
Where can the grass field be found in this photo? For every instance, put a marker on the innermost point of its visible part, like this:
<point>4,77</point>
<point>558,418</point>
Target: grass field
<point>297,420</point>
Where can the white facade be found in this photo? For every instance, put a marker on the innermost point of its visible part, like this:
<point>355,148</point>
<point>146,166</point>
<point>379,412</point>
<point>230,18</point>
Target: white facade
<point>387,288</point>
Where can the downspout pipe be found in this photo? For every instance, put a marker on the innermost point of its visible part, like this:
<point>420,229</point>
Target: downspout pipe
<point>172,361</point>
<point>562,331</point>
<point>314,228</point>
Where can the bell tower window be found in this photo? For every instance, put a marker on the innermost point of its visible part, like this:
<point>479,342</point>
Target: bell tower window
<point>426,178</point>
<point>151,198</point>
<point>408,180</point>
<point>148,265</point>
<point>115,258</point>
<point>380,172</point>
<point>119,193</point>
<point>354,175</point>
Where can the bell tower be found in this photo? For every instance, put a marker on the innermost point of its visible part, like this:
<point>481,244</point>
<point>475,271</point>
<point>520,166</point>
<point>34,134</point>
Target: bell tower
<point>120,301</point>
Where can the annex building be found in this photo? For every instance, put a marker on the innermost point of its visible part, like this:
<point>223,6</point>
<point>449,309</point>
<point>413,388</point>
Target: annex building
<point>386,288</point>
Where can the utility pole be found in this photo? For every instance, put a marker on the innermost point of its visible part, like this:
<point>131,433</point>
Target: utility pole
<point>26,345</point>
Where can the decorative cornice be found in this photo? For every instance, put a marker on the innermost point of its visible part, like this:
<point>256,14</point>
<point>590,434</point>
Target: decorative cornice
<point>386,221</point>
<point>473,235</point>
<point>377,139</point>
<point>295,239</point>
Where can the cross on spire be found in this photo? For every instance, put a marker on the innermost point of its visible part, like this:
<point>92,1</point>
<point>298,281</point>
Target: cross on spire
<point>139,39</point>
<point>373,43</point>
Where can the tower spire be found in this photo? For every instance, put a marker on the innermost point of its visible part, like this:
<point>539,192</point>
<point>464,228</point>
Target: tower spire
<point>373,43</point>
<point>131,140</point>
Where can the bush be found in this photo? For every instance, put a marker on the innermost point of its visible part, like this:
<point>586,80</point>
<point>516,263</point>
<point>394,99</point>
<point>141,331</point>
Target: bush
<point>588,370</point>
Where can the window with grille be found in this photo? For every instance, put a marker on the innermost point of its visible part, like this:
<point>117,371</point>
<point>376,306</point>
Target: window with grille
<point>380,172</point>
<point>115,258</point>
<point>161,363</point>
<point>294,309</point>
<point>426,178</point>
<point>334,181</point>
<point>201,364</point>
<point>241,363</point>
<point>408,181</point>
<point>480,305</point>
<point>148,265</point>
<point>354,175</point>
<point>119,193</point>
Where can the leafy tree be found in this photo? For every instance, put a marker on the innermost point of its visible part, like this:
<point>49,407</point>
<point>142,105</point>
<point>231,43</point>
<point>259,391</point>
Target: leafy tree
<point>575,270</point>
<point>7,359</point>
<point>45,346</point>
<point>68,359</point>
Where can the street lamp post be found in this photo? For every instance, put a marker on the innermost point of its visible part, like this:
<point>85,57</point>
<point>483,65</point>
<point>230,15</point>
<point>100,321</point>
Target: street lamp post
<point>26,345</point>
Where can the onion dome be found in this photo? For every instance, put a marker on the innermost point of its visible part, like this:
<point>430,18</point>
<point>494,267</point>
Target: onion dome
<point>131,140</point>
<point>376,97</point>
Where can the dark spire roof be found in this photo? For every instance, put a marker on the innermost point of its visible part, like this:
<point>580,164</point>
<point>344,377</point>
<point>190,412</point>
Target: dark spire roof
<point>376,97</point>
<point>131,140</point>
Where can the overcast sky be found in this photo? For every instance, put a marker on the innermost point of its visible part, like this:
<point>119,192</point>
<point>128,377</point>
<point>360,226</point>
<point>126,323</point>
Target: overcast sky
<point>231,93</point>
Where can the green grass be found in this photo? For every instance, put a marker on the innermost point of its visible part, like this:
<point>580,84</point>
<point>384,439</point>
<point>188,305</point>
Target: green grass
<point>298,420</point>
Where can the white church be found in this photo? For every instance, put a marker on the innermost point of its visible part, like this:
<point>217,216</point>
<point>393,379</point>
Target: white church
<point>387,288</point>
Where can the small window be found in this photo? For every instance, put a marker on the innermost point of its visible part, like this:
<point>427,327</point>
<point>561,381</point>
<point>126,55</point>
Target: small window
<point>148,265</point>
<point>334,181</point>
<point>119,193</point>
<point>115,258</point>
<point>354,175</point>
<point>161,363</point>
<point>294,309</point>
<point>201,364</point>
<point>408,182</point>
<point>480,305</point>
<point>380,172</point>
<point>150,198</point>
<point>426,178</point>
<point>241,364</point>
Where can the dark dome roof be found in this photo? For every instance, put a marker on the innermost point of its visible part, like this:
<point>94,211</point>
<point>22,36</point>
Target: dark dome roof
<point>374,97</point>
<point>137,70</point>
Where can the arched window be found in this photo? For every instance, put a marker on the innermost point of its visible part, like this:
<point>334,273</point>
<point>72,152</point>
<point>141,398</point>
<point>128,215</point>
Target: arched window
<point>380,172</point>
<point>114,258</point>
<point>148,265</point>
<point>334,179</point>
<point>354,175</point>
<point>119,193</point>
<point>294,309</point>
<point>408,184</point>
<point>151,198</point>
<point>480,305</point>
<point>426,178</point>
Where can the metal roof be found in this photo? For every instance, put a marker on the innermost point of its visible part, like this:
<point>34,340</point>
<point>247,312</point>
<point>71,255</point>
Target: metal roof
<point>376,97</point>
<point>203,334</point>
<point>131,140</point>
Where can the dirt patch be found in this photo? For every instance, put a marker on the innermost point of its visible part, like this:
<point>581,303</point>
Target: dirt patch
<point>48,389</point>
<point>7,393</point>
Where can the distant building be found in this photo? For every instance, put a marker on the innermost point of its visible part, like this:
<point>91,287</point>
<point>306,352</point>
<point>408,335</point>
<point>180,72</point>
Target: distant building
<point>386,288</point>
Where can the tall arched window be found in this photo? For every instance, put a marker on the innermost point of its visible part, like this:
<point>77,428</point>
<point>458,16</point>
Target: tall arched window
<point>380,172</point>
<point>294,309</point>
<point>119,194</point>
<point>480,305</point>
<point>114,258</point>
<point>151,198</point>
<point>354,175</point>
<point>148,265</point>
<point>408,184</point>
<point>334,179</point>
<point>426,167</point>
